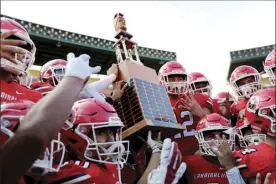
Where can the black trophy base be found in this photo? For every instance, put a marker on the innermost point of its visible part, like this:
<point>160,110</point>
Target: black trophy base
<point>123,34</point>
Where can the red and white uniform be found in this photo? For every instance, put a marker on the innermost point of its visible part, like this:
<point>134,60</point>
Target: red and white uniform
<point>88,118</point>
<point>238,110</point>
<point>173,76</point>
<point>80,172</point>
<point>260,112</point>
<point>205,168</point>
<point>256,159</point>
<point>188,121</point>
<point>14,92</point>
<point>200,170</point>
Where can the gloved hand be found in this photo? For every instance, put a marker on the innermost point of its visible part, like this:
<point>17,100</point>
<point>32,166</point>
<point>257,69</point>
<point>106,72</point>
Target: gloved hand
<point>95,88</point>
<point>171,167</point>
<point>79,66</point>
<point>155,145</point>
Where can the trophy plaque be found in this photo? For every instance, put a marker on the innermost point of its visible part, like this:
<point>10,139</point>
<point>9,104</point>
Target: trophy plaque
<point>145,104</point>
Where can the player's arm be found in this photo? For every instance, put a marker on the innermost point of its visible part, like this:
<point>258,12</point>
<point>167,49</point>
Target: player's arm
<point>226,159</point>
<point>153,164</point>
<point>43,122</point>
<point>154,159</point>
<point>193,105</point>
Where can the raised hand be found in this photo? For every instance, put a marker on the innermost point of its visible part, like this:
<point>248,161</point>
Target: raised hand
<point>10,47</point>
<point>79,66</point>
<point>223,152</point>
<point>171,167</point>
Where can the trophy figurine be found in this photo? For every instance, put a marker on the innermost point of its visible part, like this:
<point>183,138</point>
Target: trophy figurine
<point>145,104</point>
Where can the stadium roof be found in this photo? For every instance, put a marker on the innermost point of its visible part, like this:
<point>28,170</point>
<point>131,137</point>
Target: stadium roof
<point>252,57</point>
<point>55,43</point>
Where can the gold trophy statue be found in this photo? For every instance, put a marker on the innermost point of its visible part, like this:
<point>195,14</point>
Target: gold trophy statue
<point>145,104</point>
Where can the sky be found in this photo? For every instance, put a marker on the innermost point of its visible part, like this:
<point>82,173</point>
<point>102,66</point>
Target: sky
<point>202,33</point>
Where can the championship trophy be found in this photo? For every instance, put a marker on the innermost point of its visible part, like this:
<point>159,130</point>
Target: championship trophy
<point>145,104</point>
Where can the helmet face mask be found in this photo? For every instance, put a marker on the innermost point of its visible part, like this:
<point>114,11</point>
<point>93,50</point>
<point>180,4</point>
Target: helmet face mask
<point>175,87</point>
<point>173,76</point>
<point>248,89</point>
<point>205,144</point>
<point>58,74</point>
<point>247,137</point>
<point>245,81</point>
<point>114,151</point>
<point>93,132</point>
<point>53,71</point>
<point>252,139</point>
<point>51,160</point>
<point>211,127</point>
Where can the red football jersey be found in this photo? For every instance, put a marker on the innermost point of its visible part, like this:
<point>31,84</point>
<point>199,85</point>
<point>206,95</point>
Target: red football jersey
<point>187,142</point>
<point>201,171</point>
<point>15,92</point>
<point>129,175</point>
<point>256,159</point>
<point>80,172</point>
<point>238,107</point>
<point>42,87</point>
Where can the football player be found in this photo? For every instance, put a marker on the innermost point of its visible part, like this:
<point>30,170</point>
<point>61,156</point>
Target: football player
<point>199,84</point>
<point>270,66</point>
<point>205,168</point>
<point>53,71</point>
<point>43,122</point>
<point>261,113</point>
<point>247,136</point>
<point>50,75</point>
<point>245,81</point>
<point>17,56</point>
<point>189,108</point>
<point>12,114</point>
<point>222,103</point>
<point>93,138</point>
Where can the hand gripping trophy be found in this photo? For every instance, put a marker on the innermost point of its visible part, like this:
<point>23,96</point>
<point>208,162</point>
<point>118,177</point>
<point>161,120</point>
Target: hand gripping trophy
<point>145,104</point>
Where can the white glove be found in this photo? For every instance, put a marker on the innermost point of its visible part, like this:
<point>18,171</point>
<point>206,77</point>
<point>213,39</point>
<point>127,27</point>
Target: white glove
<point>154,145</point>
<point>79,66</point>
<point>95,88</point>
<point>171,167</point>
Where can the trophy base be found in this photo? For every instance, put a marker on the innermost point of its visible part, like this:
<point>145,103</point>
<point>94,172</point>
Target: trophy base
<point>122,33</point>
<point>167,130</point>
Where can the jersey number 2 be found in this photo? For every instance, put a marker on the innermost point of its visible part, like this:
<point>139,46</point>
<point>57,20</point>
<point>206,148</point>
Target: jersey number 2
<point>187,133</point>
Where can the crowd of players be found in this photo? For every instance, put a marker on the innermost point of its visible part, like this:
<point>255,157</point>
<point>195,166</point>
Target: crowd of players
<point>62,130</point>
